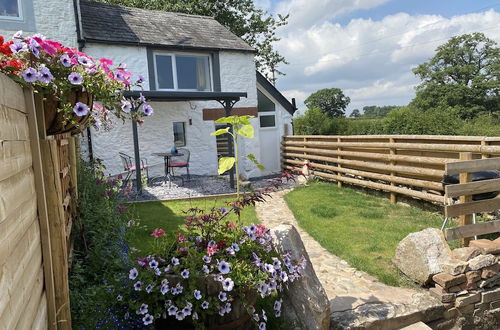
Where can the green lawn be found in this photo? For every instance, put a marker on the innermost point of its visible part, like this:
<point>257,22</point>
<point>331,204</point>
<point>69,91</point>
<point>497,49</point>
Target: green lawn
<point>169,216</point>
<point>364,230</point>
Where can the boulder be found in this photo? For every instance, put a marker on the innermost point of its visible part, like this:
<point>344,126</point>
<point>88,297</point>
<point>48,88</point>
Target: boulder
<point>465,253</point>
<point>420,255</point>
<point>305,303</point>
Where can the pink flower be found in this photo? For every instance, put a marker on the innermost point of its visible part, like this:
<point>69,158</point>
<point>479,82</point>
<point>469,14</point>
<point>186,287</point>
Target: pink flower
<point>157,233</point>
<point>261,229</point>
<point>181,238</point>
<point>211,250</point>
<point>231,225</point>
<point>121,208</point>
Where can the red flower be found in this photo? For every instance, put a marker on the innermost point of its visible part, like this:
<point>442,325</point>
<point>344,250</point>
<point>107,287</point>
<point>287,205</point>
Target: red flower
<point>5,48</point>
<point>121,208</point>
<point>157,233</point>
<point>1,40</point>
<point>221,244</point>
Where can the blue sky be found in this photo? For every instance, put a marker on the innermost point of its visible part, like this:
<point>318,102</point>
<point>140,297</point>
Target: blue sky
<point>369,47</point>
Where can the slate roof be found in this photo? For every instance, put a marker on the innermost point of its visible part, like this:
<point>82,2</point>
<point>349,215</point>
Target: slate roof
<point>110,24</point>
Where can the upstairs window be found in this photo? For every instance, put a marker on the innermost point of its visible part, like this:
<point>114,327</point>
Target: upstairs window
<point>10,9</point>
<point>184,72</point>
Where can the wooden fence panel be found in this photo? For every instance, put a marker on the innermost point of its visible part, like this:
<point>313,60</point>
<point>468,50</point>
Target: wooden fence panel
<point>411,165</point>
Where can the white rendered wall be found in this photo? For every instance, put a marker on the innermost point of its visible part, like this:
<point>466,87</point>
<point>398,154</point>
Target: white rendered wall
<point>156,134</point>
<point>54,19</point>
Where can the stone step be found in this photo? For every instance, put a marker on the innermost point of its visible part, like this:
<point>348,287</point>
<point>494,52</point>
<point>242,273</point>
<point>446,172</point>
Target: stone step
<point>417,326</point>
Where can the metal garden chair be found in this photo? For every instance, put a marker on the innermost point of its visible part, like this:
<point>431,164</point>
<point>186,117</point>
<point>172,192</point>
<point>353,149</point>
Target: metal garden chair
<point>181,161</point>
<point>129,166</point>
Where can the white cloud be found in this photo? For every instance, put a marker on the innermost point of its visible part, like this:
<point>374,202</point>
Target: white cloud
<point>370,60</point>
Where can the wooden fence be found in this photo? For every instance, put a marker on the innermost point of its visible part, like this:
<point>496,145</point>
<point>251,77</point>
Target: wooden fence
<point>37,207</point>
<point>411,165</point>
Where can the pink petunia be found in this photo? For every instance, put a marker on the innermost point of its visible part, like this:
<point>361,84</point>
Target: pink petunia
<point>157,233</point>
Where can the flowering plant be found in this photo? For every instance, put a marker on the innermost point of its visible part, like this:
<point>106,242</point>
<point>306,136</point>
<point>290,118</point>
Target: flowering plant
<point>208,268</point>
<point>54,70</point>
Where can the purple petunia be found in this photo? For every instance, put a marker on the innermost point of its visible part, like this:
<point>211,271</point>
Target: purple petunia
<point>227,284</point>
<point>207,259</point>
<point>187,310</point>
<point>284,276</point>
<point>140,80</point>
<point>172,310</point>
<point>185,273</point>
<point>175,261</point>
<point>180,315</point>
<point>277,305</point>
<point>224,267</point>
<point>75,78</point>
<point>144,309</point>
<point>126,106</point>
<point>65,60</point>
<point>17,47</point>
<point>222,296</point>
<point>153,264</point>
<point>147,109</point>
<point>30,75</point>
<point>149,288</point>
<point>81,109</point>
<point>262,326</point>
<point>235,247</point>
<point>164,289</point>
<point>133,274</point>
<point>138,286</point>
<point>197,294</point>
<point>85,61</point>
<point>147,319</point>
<point>204,305</point>
<point>33,45</point>
<point>263,289</point>
<point>142,98</point>
<point>205,269</point>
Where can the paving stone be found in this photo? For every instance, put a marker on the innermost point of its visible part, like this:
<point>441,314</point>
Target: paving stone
<point>490,271</point>
<point>465,253</point>
<point>486,246</point>
<point>492,295</point>
<point>447,281</point>
<point>482,261</point>
<point>467,300</point>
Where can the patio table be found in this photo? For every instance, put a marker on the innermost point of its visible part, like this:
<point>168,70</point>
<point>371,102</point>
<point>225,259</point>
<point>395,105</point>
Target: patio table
<point>169,174</point>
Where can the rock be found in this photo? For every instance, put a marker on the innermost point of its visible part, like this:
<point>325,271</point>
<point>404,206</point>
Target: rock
<point>468,299</point>
<point>486,246</point>
<point>482,261</point>
<point>441,295</point>
<point>447,281</point>
<point>420,255</point>
<point>489,296</point>
<point>465,253</point>
<point>473,276</point>
<point>305,304</point>
<point>490,282</point>
<point>454,266</point>
<point>490,271</point>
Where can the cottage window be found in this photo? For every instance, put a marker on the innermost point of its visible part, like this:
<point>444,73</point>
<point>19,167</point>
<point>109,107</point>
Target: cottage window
<point>186,72</point>
<point>266,109</point>
<point>179,134</point>
<point>10,9</point>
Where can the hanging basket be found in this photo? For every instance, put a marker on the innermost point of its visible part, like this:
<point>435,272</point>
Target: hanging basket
<point>54,120</point>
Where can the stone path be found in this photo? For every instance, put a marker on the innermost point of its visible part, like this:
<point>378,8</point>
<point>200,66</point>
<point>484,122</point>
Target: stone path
<point>357,299</point>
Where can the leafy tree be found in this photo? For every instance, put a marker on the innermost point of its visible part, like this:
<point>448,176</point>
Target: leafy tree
<point>355,113</point>
<point>256,26</point>
<point>331,101</point>
<point>374,111</point>
<point>464,74</point>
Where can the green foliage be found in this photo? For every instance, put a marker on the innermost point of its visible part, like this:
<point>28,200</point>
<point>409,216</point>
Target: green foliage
<point>355,113</point>
<point>100,254</point>
<point>463,74</point>
<point>374,111</point>
<point>225,164</point>
<point>331,101</point>
<point>242,17</point>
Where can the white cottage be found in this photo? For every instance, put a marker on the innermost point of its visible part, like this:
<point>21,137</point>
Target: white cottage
<point>186,61</point>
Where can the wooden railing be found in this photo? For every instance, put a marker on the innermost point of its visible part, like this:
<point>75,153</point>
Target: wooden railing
<point>411,165</point>
<point>465,189</point>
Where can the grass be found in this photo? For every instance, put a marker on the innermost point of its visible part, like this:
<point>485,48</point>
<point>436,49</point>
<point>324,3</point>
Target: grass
<point>362,229</point>
<point>169,216</point>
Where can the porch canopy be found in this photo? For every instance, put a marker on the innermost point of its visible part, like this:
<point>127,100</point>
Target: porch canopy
<point>226,99</point>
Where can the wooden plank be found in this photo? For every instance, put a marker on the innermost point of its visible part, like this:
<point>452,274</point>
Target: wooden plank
<point>472,188</point>
<point>13,126</point>
<point>30,310</point>
<point>487,205</point>
<point>396,136</point>
<point>480,228</point>
<point>11,95</point>
<point>472,166</point>
<point>464,218</point>
<point>15,191</point>
<point>15,156</point>
<point>393,195</point>
<point>57,230</point>
<point>35,123</point>
<point>41,321</point>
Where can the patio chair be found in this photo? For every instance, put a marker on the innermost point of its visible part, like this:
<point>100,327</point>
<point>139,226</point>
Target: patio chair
<point>129,166</point>
<point>181,161</point>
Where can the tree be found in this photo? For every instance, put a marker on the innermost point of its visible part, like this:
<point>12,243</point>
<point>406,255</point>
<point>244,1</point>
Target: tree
<point>256,26</point>
<point>331,101</point>
<point>355,113</point>
<point>373,111</point>
<point>464,74</point>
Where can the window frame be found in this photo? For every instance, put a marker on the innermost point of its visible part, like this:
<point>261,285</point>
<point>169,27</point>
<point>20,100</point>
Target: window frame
<point>174,70</point>
<point>267,113</point>
<point>183,133</point>
<point>20,9</point>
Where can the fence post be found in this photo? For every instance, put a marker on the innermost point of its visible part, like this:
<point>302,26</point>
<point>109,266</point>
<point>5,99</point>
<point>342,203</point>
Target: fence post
<point>57,229</point>
<point>339,174</point>
<point>392,151</point>
<point>465,219</point>
<point>484,143</point>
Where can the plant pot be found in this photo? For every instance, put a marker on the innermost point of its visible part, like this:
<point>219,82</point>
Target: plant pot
<point>238,318</point>
<point>54,120</point>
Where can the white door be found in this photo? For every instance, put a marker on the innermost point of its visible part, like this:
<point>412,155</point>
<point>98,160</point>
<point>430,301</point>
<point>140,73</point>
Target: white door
<point>269,134</point>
